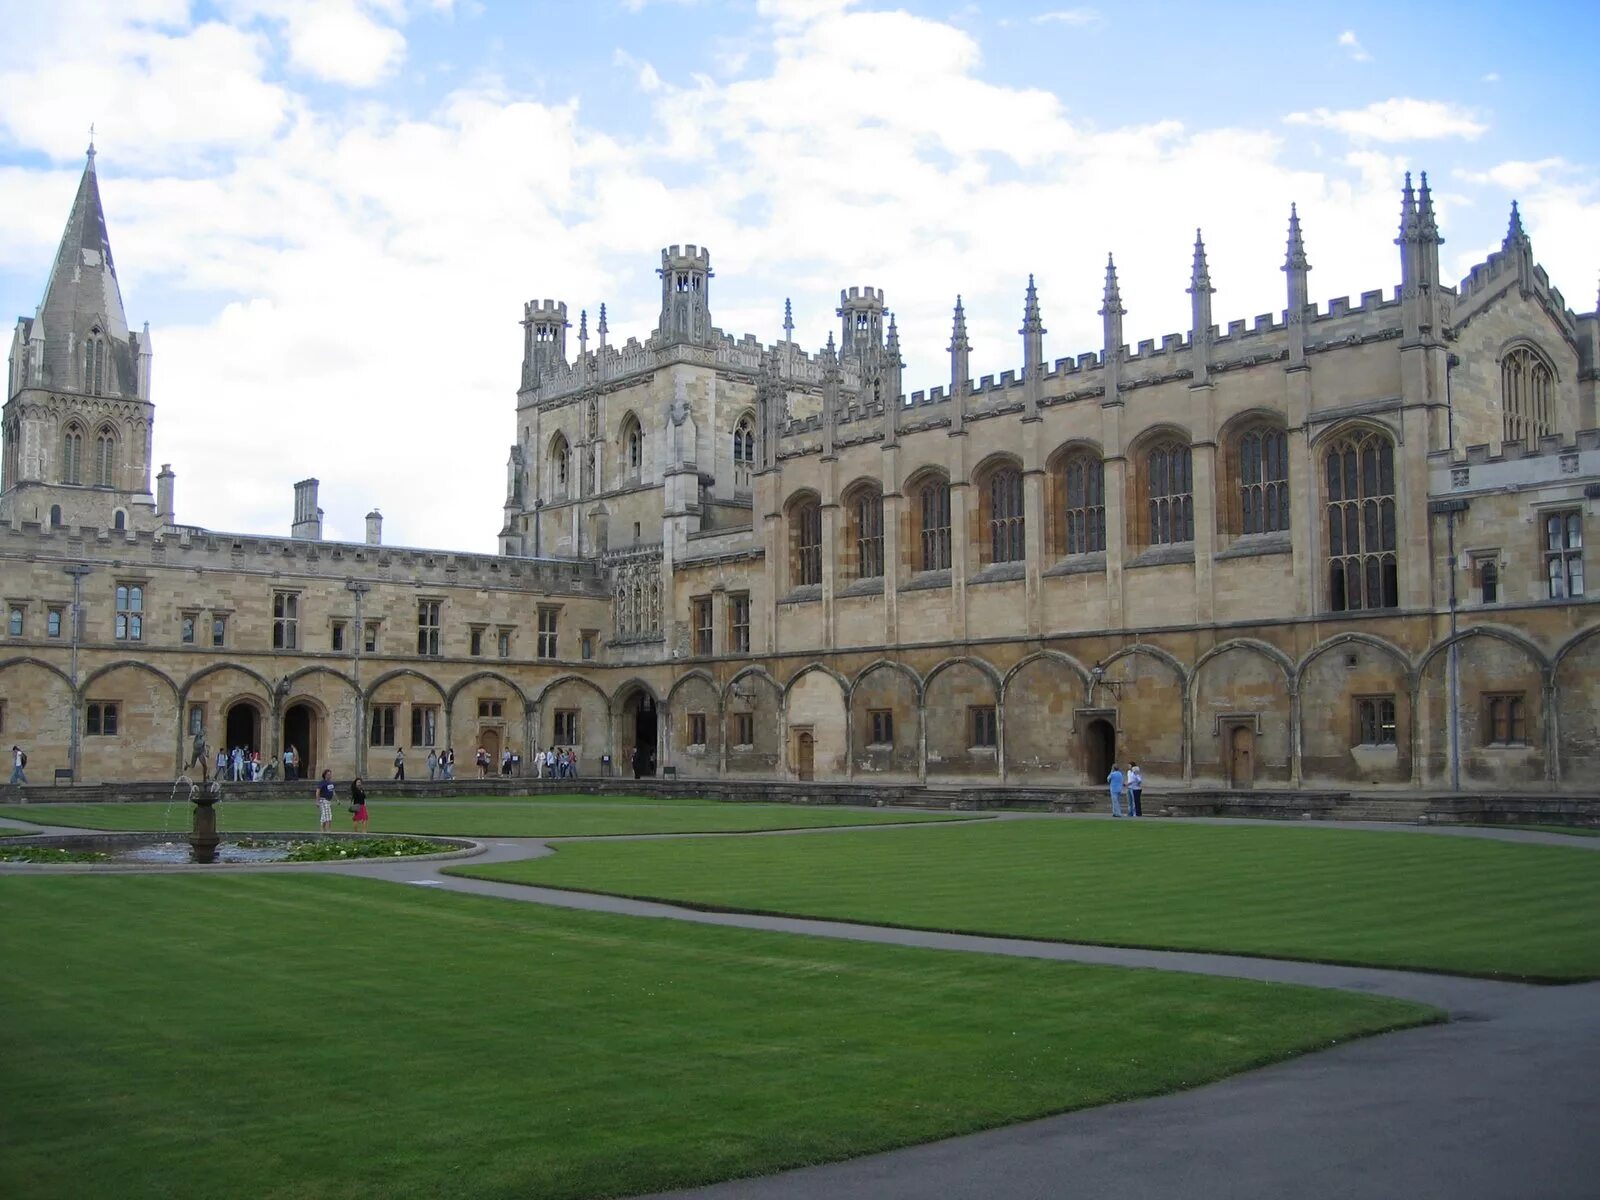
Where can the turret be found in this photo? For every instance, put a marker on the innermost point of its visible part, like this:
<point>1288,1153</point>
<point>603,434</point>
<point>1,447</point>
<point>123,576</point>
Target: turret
<point>861,323</point>
<point>1422,303</point>
<point>544,339</point>
<point>374,528</point>
<point>889,380</point>
<point>685,295</point>
<point>1200,291</point>
<point>1519,246</point>
<point>1295,267</point>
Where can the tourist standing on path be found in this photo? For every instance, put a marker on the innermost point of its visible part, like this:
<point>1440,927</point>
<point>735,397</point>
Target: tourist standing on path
<point>18,761</point>
<point>222,764</point>
<point>1135,790</point>
<point>291,760</point>
<point>450,763</point>
<point>325,802</point>
<point>400,765</point>
<point>1115,779</point>
<point>433,765</point>
<point>238,763</point>
<point>358,804</point>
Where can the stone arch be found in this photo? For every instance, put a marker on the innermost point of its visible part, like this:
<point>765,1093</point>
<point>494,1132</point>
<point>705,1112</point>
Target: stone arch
<point>953,692</point>
<point>27,660</point>
<point>1353,426</point>
<point>1252,478</point>
<point>752,715</point>
<point>1361,692</point>
<point>859,548</point>
<point>584,706</point>
<point>802,519</point>
<point>489,710</point>
<point>638,724</point>
<point>1576,677</point>
<point>1251,645</point>
<point>401,672</point>
<point>885,707</point>
<point>696,673</point>
<point>455,689</point>
<point>1242,682</point>
<point>38,700</point>
<point>295,677</point>
<point>694,752</point>
<point>1146,690</point>
<point>1158,503</point>
<point>584,680</point>
<point>1041,696</point>
<point>149,732</point>
<point>133,665</point>
<point>216,668</point>
<point>996,520</point>
<point>927,505</point>
<point>815,723</point>
<point>1075,499</point>
<point>1498,669</point>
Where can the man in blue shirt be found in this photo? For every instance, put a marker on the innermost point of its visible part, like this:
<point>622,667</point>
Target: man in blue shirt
<point>1115,779</point>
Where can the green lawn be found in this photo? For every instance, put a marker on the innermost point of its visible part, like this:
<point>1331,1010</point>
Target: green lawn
<point>560,816</point>
<point>327,1037</point>
<point>1458,905</point>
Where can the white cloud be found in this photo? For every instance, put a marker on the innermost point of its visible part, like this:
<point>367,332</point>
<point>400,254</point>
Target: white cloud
<point>1491,77</point>
<point>1069,16</point>
<point>1352,46</point>
<point>337,41</point>
<point>1401,119</point>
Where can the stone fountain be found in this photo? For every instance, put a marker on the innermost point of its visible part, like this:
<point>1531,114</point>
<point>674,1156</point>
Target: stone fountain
<point>203,837</point>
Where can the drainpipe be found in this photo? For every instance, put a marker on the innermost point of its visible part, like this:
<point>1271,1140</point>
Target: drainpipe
<point>358,589</point>
<point>78,571</point>
<point>1453,687</point>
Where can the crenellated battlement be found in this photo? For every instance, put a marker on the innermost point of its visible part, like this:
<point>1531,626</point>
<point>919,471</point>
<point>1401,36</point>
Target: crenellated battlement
<point>686,257</point>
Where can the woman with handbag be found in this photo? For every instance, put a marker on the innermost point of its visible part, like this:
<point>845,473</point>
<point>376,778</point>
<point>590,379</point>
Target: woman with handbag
<point>358,804</point>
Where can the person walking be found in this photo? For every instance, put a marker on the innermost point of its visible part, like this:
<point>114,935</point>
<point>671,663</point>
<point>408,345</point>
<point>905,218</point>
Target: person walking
<point>450,763</point>
<point>222,764</point>
<point>1116,780</point>
<point>358,804</point>
<point>325,802</point>
<point>291,760</point>
<point>19,759</point>
<point>400,764</point>
<point>1135,790</point>
<point>433,765</point>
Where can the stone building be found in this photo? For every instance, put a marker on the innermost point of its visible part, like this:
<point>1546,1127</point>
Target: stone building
<point>1340,546</point>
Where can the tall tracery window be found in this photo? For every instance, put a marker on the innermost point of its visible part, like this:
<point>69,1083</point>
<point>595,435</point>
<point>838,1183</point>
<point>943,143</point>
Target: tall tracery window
<point>105,457</point>
<point>560,463</point>
<point>633,448</point>
<point>1363,567</point>
<point>94,364</point>
<point>1083,504</point>
<point>72,455</point>
<point>867,514</point>
<point>1527,395</point>
<point>806,531</point>
<point>744,452</point>
<point>1169,485</point>
<point>1263,481</point>
<point>933,507</point>
<point>1006,531</point>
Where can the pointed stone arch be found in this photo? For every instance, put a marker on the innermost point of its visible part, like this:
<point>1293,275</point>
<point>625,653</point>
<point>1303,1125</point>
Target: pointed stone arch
<point>1144,690</point>
<point>1243,683</point>
<point>752,716</point>
<point>149,737</point>
<point>1498,670</point>
<point>956,694</point>
<point>1042,696</point>
<point>693,752</point>
<point>38,698</point>
<point>816,724</point>
<point>885,727</point>
<point>1575,671</point>
<point>204,673</point>
<point>1355,685</point>
<point>401,673</point>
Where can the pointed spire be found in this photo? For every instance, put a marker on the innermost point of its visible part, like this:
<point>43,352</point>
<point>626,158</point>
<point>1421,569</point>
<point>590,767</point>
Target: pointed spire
<point>1200,274</point>
<point>1514,231</point>
<point>89,166</point>
<point>583,331</point>
<point>830,352</point>
<point>603,328</point>
<point>1408,211</point>
<point>1031,321</point>
<point>788,320</point>
<point>1295,260</point>
<point>1427,226</point>
<point>958,331</point>
<point>893,344</point>
<point>1113,296</point>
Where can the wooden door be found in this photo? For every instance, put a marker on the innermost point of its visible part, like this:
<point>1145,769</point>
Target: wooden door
<point>489,739</point>
<point>805,755</point>
<point>1241,756</point>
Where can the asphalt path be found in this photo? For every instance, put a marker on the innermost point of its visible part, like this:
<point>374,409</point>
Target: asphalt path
<point>1501,1102</point>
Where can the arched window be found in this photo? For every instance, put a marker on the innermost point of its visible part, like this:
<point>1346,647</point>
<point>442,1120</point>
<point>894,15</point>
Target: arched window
<point>1169,485</point>
<point>55,516</point>
<point>805,533</point>
<point>866,518</point>
<point>1263,480</point>
<point>633,447</point>
<point>72,455</point>
<point>560,461</point>
<point>119,520</point>
<point>1527,396</point>
<point>105,458</point>
<point>94,364</point>
<point>1006,532</point>
<point>1081,491</point>
<point>744,452</point>
<point>933,510</point>
<point>1363,570</point>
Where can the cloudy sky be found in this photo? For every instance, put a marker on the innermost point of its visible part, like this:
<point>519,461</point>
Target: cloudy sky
<point>331,211</point>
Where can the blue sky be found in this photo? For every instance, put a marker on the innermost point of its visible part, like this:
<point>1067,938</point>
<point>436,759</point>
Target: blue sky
<point>330,211</point>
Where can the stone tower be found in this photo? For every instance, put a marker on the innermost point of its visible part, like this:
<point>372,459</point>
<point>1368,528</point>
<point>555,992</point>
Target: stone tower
<point>685,295</point>
<point>78,418</point>
<point>544,338</point>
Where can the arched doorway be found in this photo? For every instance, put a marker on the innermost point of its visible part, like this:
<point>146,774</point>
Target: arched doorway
<point>638,732</point>
<point>489,739</point>
<point>1099,749</point>
<point>242,726</point>
<point>300,731</point>
<point>805,755</point>
<point>1241,756</point>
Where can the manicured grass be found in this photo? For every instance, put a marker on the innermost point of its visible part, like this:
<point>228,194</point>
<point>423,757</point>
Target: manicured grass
<point>566,816</point>
<point>1458,905</point>
<point>328,1037</point>
<point>1571,830</point>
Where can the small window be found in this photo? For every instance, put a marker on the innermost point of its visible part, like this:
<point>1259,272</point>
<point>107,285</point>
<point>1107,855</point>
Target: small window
<point>52,622</point>
<point>1505,719</point>
<point>697,729</point>
<point>197,718</point>
<point>14,621</point>
<point>424,725</point>
<point>503,643</point>
<point>130,612</point>
<point>1563,554</point>
<point>980,718</point>
<point>336,637</point>
<point>219,630</point>
<point>1375,724</point>
<point>475,641</point>
<point>428,627</point>
<point>566,728</point>
<point>547,632</point>
<point>383,723</point>
<point>744,729</point>
<point>739,623</point>
<point>369,638</point>
<point>55,516</point>
<point>286,623</point>
<point>588,646</point>
<point>488,709</point>
<point>119,521</point>
<point>702,625</point>
<point>1489,583</point>
<point>100,719</point>
<point>881,721</point>
<point>186,628</point>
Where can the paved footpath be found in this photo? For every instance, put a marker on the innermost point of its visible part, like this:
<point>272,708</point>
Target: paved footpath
<point>1501,1103</point>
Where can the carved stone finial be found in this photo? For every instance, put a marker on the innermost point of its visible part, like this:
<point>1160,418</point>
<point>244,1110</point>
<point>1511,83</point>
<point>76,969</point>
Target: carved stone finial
<point>1295,260</point>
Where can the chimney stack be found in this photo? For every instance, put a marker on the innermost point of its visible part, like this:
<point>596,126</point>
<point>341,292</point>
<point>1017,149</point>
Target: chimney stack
<point>164,492</point>
<point>307,516</point>
<point>374,528</point>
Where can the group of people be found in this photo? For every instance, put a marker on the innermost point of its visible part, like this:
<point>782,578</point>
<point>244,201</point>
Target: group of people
<point>244,765</point>
<point>555,764</point>
<point>1132,783</point>
<point>358,803</point>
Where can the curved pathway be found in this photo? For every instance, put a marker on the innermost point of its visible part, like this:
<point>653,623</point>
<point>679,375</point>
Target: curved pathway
<point>1500,1102</point>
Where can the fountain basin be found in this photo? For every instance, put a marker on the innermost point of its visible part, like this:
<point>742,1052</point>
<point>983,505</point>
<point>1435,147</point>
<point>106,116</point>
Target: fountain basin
<point>146,851</point>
